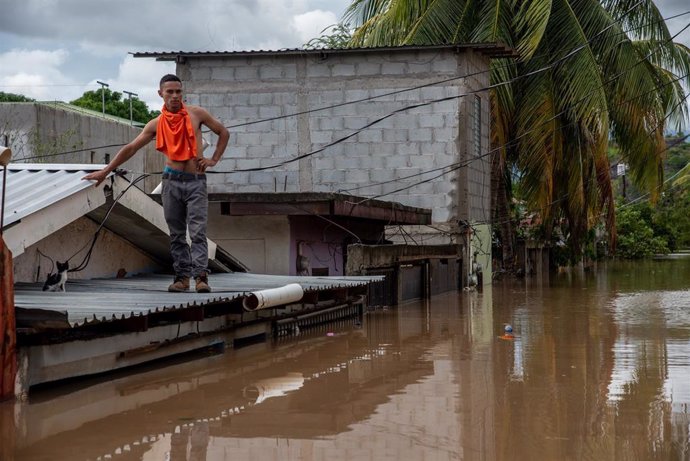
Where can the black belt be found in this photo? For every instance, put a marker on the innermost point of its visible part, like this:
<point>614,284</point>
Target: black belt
<point>184,176</point>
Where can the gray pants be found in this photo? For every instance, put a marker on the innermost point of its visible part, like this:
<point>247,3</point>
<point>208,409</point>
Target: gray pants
<point>185,204</point>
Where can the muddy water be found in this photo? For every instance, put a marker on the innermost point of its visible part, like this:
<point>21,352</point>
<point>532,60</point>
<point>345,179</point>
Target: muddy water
<point>598,369</point>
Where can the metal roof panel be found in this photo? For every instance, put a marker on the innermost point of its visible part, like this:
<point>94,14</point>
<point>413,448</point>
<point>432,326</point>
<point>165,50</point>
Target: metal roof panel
<point>490,49</point>
<point>34,186</point>
<point>102,300</point>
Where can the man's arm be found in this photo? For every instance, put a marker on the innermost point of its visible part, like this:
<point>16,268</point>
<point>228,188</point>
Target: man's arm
<point>124,154</point>
<point>223,137</point>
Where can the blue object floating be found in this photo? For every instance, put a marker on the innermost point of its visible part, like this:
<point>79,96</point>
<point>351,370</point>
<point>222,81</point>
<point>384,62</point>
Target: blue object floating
<point>508,329</point>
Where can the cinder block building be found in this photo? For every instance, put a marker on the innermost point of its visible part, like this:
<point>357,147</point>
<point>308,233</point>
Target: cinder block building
<point>404,124</point>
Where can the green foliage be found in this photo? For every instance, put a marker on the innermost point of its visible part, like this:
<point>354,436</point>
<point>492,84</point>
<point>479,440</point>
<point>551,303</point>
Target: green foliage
<point>552,123</point>
<point>338,36</point>
<point>115,105</point>
<point>669,217</point>
<point>677,158</point>
<point>11,97</point>
<point>636,234</point>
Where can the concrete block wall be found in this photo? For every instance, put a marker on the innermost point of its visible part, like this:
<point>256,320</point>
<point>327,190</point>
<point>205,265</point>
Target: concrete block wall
<point>474,197</point>
<point>246,91</point>
<point>41,128</point>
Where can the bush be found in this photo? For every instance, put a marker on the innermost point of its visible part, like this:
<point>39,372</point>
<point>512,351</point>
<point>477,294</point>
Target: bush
<point>636,237</point>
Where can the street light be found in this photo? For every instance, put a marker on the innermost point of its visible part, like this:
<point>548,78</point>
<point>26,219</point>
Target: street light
<point>5,156</point>
<point>103,87</point>
<point>130,94</point>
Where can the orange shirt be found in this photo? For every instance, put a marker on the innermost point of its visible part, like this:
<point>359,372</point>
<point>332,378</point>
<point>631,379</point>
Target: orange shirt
<point>175,135</point>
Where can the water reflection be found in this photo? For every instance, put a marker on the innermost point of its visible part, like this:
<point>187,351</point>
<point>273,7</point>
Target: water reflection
<point>599,368</point>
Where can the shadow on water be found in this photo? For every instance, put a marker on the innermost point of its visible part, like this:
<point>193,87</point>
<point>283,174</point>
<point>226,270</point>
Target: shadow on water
<point>598,368</point>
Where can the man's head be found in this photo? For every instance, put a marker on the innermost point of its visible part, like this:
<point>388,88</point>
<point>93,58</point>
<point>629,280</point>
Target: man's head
<point>169,78</point>
<point>170,90</point>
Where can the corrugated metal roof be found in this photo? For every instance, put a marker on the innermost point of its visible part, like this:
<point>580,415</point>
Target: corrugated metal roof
<point>491,49</point>
<point>34,186</point>
<point>87,301</point>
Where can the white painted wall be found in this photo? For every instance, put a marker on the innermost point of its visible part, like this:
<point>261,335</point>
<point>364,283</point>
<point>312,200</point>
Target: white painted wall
<point>262,243</point>
<point>110,254</point>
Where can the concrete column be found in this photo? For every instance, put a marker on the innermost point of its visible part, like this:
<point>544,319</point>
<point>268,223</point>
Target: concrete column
<point>304,145</point>
<point>8,338</point>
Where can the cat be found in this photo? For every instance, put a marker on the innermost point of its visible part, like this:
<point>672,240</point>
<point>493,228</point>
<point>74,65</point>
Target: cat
<point>56,282</point>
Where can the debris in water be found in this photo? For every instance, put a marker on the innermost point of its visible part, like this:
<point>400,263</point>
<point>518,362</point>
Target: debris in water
<point>507,333</point>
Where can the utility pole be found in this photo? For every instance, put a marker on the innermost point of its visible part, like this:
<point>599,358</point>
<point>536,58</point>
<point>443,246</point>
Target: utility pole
<point>103,87</point>
<point>130,94</point>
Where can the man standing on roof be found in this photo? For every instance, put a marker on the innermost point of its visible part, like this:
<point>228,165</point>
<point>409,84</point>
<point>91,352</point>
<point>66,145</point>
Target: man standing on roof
<point>185,202</point>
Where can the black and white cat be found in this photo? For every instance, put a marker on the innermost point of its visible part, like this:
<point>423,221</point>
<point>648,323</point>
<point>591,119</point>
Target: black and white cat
<point>56,282</point>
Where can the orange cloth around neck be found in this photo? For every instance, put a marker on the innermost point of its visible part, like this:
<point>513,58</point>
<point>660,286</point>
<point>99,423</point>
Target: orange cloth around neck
<point>175,135</point>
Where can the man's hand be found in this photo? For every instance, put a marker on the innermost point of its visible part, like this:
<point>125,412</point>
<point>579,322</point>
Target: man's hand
<point>98,176</point>
<point>202,163</point>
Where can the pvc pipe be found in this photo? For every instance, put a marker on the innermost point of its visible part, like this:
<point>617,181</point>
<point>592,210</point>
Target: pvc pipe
<point>273,297</point>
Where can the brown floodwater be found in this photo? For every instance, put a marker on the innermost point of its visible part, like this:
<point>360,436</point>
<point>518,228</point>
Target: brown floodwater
<point>598,368</point>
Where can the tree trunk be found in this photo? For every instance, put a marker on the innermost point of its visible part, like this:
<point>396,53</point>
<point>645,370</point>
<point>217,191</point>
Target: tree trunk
<point>500,210</point>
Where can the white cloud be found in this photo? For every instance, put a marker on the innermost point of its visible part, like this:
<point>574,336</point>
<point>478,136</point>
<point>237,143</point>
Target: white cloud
<point>311,24</point>
<point>54,47</point>
<point>33,73</point>
<point>29,60</point>
<point>101,49</point>
<point>141,76</point>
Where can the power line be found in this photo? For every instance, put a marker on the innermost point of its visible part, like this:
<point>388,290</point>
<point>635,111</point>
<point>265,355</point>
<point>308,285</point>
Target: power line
<point>459,165</point>
<point>509,143</point>
<point>572,52</point>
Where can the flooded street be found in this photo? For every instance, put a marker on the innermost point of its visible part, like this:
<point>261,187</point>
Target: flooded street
<point>598,368</point>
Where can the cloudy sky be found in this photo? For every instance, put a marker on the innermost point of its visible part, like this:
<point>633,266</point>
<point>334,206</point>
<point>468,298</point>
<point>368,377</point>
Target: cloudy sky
<point>57,49</point>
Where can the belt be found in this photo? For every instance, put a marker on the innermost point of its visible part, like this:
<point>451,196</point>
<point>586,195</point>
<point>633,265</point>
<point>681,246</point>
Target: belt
<point>184,176</point>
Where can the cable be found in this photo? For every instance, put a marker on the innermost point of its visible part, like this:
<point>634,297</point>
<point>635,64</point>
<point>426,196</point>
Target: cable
<point>450,98</point>
<point>85,261</point>
<point>508,144</point>
<point>597,36</point>
<point>563,197</point>
<point>461,164</point>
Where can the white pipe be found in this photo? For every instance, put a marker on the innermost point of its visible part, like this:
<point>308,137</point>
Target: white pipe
<point>273,297</point>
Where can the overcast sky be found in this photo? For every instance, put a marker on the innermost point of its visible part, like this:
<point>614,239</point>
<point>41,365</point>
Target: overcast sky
<point>57,49</point>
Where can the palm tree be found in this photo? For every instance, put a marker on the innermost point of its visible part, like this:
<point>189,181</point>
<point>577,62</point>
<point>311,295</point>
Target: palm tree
<point>610,70</point>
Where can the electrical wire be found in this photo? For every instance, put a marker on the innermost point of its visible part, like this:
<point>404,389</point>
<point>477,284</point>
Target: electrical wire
<point>454,166</point>
<point>413,106</point>
<point>577,49</point>
<point>462,164</point>
<point>85,261</point>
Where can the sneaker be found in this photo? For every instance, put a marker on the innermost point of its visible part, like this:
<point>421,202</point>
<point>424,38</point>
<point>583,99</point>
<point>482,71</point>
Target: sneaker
<point>202,283</point>
<point>179,285</point>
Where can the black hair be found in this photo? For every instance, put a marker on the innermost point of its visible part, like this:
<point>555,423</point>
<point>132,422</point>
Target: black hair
<point>169,78</point>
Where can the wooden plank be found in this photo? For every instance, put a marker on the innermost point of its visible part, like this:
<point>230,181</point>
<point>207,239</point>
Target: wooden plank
<point>8,334</point>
